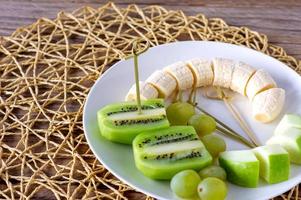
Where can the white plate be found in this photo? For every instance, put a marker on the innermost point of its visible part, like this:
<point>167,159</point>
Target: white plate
<point>114,84</point>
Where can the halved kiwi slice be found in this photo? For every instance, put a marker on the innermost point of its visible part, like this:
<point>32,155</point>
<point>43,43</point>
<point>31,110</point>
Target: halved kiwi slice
<point>163,153</point>
<point>121,122</point>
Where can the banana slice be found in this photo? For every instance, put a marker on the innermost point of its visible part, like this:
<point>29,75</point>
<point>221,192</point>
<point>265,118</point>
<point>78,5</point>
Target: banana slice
<point>223,69</point>
<point>259,82</point>
<point>241,74</point>
<point>163,82</point>
<point>202,71</point>
<point>147,91</point>
<point>181,72</point>
<point>267,100</point>
<point>267,105</point>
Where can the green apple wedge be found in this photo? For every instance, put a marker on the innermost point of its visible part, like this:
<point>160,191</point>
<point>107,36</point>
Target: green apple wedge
<point>288,122</point>
<point>242,167</point>
<point>291,142</point>
<point>274,163</point>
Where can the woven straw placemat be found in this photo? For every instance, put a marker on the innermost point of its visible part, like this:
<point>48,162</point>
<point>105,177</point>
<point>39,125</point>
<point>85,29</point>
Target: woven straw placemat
<point>46,71</point>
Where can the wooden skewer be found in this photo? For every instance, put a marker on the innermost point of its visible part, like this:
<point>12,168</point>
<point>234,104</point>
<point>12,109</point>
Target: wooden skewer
<point>236,137</point>
<point>136,51</point>
<point>243,124</point>
<point>226,130</point>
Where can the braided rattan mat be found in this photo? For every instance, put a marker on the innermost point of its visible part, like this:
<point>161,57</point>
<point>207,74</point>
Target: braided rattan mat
<point>46,71</point>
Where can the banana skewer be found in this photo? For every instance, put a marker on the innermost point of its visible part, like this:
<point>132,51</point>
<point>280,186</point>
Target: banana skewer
<point>267,100</point>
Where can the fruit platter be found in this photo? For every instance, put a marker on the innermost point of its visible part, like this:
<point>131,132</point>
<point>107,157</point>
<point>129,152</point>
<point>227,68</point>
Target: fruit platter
<point>198,120</point>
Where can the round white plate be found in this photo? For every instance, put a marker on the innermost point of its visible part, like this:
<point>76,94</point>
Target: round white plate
<point>114,84</point>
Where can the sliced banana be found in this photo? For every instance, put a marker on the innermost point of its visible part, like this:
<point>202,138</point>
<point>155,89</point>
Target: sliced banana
<point>181,72</point>
<point>147,91</point>
<point>267,100</point>
<point>223,69</point>
<point>162,81</point>
<point>202,71</point>
<point>259,82</point>
<point>267,105</point>
<point>241,74</point>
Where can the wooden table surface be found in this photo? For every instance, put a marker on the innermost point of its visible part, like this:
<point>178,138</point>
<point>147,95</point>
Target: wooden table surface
<point>279,20</point>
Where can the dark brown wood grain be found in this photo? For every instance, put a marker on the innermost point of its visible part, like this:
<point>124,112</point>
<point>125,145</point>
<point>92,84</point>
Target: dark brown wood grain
<point>279,20</point>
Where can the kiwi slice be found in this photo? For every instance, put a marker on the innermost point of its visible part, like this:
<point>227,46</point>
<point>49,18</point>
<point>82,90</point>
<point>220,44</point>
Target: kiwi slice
<point>162,153</point>
<point>120,122</point>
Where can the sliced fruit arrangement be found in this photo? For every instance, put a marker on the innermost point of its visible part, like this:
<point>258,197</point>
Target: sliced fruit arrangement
<point>267,99</point>
<point>163,153</point>
<point>120,122</point>
<point>185,151</point>
<point>272,161</point>
<point>244,167</point>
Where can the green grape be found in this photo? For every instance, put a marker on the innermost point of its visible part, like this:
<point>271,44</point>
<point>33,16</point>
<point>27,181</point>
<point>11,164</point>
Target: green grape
<point>203,124</point>
<point>212,189</point>
<point>184,184</point>
<point>179,113</point>
<point>214,144</point>
<point>213,171</point>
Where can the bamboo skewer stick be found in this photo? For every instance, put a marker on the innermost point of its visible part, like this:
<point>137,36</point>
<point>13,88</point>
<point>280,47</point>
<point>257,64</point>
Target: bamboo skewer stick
<point>242,122</point>
<point>137,78</point>
<point>235,136</point>
<point>136,51</point>
<point>226,130</point>
<point>237,116</point>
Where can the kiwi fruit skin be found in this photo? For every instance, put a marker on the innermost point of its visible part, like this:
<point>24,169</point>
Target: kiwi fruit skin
<point>164,168</point>
<point>126,133</point>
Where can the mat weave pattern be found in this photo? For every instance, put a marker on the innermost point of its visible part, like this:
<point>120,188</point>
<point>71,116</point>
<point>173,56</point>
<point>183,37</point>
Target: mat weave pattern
<point>46,71</point>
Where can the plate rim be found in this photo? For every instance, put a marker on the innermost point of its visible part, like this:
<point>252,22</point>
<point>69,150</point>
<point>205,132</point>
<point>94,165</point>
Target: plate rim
<point>115,173</point>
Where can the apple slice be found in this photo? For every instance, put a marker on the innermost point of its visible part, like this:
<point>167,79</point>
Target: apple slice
<point>291,142</point>
<point>287,122</point>
<point>242,167</point>
<point>274,163</point>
